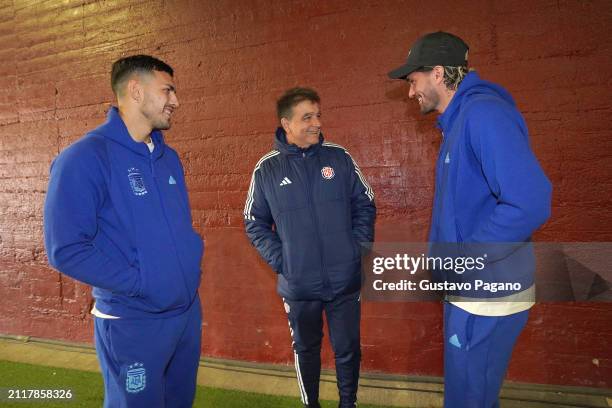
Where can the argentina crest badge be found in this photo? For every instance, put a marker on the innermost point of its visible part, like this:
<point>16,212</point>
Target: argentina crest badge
<point>136,182</point>
<point>136,378</point>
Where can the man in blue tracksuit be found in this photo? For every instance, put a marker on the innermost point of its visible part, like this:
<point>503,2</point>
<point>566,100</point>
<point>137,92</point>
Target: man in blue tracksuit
<point>308,209</point>
<point>117,217</point>
<point>491,195</point>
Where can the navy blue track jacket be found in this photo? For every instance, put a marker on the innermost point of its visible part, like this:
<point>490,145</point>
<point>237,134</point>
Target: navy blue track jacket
<point>307,211</point>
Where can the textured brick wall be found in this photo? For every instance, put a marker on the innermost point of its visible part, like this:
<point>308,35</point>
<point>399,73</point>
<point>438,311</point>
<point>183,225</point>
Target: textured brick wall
<point>232,59</point>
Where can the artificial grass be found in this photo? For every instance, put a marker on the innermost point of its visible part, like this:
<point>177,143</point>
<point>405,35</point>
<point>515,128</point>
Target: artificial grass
<point>88,390</point>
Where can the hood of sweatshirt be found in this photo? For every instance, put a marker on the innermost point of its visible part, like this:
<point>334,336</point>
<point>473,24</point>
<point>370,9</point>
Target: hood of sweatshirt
<point>471,86</point>
<point>114,129</point>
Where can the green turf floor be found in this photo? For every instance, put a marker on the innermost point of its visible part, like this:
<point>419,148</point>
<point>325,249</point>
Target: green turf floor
<point>88,390</point>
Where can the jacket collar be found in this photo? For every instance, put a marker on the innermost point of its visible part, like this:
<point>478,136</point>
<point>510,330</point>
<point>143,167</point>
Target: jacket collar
<point>471,87</point>
<point>292,150</point>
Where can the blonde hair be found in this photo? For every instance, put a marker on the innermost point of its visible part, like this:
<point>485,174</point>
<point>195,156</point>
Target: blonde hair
<point>454,75</point>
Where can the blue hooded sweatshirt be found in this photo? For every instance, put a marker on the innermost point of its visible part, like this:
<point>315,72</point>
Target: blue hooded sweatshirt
<point>117,217</point>
<point>491,193</point>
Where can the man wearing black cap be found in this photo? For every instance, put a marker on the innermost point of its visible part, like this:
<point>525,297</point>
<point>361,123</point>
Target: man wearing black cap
<point>490,189</point>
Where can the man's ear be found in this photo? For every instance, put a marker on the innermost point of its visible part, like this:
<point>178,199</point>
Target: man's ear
<point>438,74</point>
<point>134,90</point>
<point>285,124</point>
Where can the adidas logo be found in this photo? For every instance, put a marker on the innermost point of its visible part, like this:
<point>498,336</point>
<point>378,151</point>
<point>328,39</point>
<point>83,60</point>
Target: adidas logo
<point>171,180</point>
<point>285,182</point>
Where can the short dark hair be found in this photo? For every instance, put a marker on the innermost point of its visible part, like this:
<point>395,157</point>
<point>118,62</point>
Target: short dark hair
<point>123,68</point>
<point>293,96</point>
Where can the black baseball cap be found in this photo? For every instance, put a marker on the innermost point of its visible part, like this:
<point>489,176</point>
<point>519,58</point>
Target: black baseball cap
<point>433,49</point>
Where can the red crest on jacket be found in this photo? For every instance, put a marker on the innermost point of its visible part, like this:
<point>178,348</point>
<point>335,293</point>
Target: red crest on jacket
<point>327,172</point>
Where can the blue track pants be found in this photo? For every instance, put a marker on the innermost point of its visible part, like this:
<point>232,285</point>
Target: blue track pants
<point>477,350</point>
<point>150,363</point>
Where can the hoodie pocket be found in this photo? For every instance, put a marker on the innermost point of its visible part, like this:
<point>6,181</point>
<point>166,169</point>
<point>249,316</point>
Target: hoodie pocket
<point>191,251</point>
<point>458,231</point>
<point>469,331</point>
<point>163,286</point>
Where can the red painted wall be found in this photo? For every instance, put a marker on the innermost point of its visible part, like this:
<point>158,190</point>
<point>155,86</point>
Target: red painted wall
<point>232,59</point>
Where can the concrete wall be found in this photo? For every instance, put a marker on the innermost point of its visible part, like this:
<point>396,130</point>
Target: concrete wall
<point>232,59</point>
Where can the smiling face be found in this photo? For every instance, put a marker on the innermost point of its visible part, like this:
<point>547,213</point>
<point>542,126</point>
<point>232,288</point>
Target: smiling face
<point>304,126</point>
<point>423,89</point>
<point>159,99</point>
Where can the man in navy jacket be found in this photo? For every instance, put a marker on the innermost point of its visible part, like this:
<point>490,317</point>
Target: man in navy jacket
<point>491,195</point>
<point>308,209</point>
<point>117,217</point>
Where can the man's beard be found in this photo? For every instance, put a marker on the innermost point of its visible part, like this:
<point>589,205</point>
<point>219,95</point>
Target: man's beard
<point>156,121</point>
<point>161,124</point>
<point>429,102</point>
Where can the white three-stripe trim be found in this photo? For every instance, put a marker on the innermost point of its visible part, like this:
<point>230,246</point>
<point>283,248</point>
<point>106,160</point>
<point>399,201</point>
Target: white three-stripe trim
<point>369,192</point>
<point>297,365</point>
<point>300,381</point>
<point>249,202</point>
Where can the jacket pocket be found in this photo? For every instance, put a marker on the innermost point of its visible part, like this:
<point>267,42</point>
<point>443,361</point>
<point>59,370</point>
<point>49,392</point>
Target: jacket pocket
<point>357,247</point>
<point>285,268</point>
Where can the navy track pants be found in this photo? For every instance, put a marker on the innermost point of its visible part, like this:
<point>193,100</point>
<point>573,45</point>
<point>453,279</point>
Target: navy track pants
<point>343,316</point>
<point>150,362</point>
